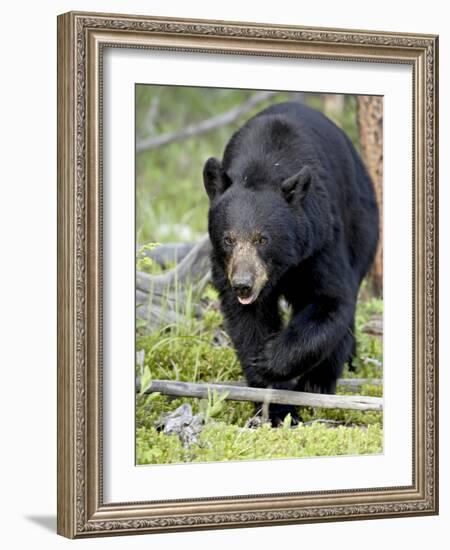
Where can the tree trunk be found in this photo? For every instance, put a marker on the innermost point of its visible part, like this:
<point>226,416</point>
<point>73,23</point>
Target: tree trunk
<point>370,125</point>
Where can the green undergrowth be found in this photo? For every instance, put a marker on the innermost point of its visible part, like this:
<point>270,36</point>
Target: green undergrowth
<point>220,441</point>
<point>198,350</point>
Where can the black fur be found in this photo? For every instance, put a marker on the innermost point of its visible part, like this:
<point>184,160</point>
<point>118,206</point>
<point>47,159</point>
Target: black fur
<point>292,172</point>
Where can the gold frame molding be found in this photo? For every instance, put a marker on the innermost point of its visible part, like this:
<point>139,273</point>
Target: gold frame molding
<point>81,38</point>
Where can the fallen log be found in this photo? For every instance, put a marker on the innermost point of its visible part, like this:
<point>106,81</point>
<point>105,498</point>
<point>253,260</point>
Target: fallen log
<point>194,266</point>
<point>161,299</point>
<point>349,384</point>
<point>374,327</point>
<point>262,395</point>
<point>167,254</point>
<point>354,384</point>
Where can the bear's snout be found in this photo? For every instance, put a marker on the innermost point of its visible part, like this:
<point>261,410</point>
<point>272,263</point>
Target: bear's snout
<point>247,273</point>
<point>242,281</point>
<point>242,284</point>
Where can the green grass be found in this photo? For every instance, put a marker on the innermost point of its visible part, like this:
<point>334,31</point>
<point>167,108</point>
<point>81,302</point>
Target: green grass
<point>220,441</point>
<point>187,352</point>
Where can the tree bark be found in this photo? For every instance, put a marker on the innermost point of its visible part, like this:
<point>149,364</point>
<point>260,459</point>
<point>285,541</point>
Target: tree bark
<point>370,125</point>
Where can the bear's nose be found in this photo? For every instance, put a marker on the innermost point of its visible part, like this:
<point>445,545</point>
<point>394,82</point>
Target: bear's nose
<point>242,285</point>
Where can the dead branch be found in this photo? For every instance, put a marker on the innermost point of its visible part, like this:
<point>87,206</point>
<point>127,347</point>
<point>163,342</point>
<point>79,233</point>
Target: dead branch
<point>160,299</point>
<point>355,384</point>
<point>350,384</point>
<point>374,327</point>
<point>261,395</point>
<point>166,254</point>
<point>153,142</point>
<point>190,270</point>
<point>152,114</point>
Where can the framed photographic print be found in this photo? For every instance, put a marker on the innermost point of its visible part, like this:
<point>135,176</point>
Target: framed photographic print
<point>247,276</point>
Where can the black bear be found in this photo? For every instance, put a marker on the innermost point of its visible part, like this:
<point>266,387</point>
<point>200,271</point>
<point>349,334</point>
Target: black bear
<point>292,214</point>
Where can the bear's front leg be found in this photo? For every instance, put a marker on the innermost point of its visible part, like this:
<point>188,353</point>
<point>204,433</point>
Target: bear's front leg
<point>311,335</point>
<point>250,327</point>
<point>250,348</point>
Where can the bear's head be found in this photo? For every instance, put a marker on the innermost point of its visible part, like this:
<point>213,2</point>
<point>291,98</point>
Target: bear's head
<point>259,232</point>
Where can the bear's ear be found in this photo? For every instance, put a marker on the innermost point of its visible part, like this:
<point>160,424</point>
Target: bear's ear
<point>297,185</point>
<point>214,178</point>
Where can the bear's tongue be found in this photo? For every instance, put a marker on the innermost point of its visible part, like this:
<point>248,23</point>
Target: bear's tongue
<point>246,301</point>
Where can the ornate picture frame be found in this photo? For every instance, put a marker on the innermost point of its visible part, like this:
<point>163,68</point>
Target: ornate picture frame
<point>82,38</point>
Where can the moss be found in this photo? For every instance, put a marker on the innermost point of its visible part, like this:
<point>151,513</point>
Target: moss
<point>220,441</point>
<point>190,351</point>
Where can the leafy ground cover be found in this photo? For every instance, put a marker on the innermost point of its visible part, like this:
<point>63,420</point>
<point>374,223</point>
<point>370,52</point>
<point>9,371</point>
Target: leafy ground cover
<point>198,350</point>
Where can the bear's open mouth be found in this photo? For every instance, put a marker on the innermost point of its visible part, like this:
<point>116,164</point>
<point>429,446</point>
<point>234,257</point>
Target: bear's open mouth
<point>248,299</point>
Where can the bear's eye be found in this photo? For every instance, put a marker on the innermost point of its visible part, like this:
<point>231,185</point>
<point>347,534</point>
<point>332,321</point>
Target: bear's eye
<point>262,240</point>
<point>229,241</point>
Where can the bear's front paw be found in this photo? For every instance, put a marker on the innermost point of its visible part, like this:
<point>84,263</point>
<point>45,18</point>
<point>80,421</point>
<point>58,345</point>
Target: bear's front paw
<point>275,359</point>
<point>256,373</point>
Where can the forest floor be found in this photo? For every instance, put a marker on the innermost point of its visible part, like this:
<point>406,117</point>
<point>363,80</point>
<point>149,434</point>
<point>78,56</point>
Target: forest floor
<point>198,350</point>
